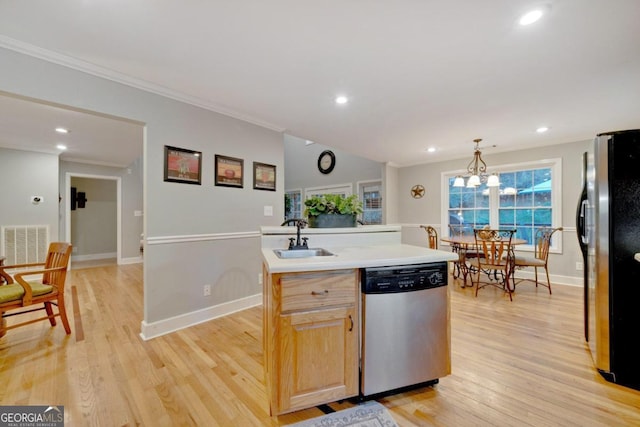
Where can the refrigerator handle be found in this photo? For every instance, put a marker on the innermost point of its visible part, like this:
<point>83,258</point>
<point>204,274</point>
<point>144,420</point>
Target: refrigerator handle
<point>581,222</point>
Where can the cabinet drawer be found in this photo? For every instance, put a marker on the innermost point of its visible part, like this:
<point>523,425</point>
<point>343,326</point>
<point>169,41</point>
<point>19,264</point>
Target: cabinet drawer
<point>313,290</point>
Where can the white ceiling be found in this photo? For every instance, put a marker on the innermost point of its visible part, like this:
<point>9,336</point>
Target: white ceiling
<point>96,139</point>
<point>419,73</point>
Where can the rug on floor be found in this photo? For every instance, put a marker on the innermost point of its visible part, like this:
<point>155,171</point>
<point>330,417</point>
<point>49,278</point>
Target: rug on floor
<point>369,414</point>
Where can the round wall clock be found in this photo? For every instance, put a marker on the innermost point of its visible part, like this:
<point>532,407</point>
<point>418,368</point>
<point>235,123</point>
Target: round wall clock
<point>326,161</point>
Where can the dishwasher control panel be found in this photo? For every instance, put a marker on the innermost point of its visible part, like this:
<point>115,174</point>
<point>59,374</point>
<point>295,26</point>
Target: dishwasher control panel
<point>404,278</point>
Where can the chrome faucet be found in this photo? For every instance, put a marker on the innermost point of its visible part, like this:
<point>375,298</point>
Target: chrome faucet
<point>300,243</point>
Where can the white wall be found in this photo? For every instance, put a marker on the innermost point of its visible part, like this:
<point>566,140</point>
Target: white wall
<point>196,234</point>
<point>24,174</point>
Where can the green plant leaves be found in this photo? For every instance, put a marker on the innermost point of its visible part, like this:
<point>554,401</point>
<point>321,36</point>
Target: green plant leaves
<point>333,204</point>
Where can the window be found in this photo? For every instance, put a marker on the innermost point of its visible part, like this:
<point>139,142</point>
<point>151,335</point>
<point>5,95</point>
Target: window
<point>371,197</point>
<point>293,204</point>
<point>528,205</point>
<point>528,198</point>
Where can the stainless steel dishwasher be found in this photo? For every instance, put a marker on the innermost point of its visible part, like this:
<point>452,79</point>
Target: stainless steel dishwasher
<point>405,336</point>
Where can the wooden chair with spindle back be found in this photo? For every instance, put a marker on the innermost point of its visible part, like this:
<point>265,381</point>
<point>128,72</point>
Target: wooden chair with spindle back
<point>23,293</point>
<point>495,258</point>
<point>541,256</point>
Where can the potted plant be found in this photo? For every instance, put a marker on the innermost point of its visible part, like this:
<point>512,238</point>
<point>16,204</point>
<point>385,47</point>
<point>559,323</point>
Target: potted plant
<point>332,210</point>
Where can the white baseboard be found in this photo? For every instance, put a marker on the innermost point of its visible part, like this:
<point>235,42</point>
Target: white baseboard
<point>555,278</point>
<point>93,257</point>
<point>172,324</point>
<point>131,260</point>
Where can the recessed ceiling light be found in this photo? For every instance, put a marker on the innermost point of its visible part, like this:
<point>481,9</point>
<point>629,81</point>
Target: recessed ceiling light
<point>431,150</point>
<point>61,147</point>
<point>531,17</point>
<point>62,130</point>
<point>341,99</point>
<point>307,142</point>
<point>542,129</point>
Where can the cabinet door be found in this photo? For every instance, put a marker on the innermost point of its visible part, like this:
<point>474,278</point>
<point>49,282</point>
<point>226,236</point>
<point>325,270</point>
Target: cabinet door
<point>319,357</point>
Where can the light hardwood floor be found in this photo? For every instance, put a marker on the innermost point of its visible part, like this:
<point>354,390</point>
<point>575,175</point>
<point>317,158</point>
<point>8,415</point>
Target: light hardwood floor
<point>520,363</point>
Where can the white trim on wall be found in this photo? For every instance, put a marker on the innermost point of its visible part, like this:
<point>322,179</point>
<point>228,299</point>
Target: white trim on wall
<point>163,240</point>
<point>93,257</point>
<point>105,73</point>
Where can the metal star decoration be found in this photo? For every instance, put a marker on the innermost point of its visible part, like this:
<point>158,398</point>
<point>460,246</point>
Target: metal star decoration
<point>417,191</point>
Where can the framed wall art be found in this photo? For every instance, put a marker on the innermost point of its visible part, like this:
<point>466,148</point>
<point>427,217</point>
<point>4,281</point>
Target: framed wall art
<point>229,171</point>
<point>264,176</point>
<point>182,165</point>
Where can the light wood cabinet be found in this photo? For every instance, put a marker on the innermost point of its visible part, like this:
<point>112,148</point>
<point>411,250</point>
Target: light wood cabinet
<point>310,338</point>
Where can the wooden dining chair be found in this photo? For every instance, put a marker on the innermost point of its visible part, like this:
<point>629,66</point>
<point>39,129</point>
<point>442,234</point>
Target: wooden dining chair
<point>494,260</point>
<point>459,266</point>
<point>432,236</point>
<point>21,293</point>
<point>540,258</point>
<point>455,230</point>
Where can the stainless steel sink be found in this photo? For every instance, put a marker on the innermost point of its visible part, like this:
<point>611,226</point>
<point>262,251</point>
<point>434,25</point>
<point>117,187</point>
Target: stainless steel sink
<point>301,253</point>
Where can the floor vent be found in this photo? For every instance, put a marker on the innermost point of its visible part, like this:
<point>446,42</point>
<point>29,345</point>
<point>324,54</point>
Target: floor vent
<point>23,244</point>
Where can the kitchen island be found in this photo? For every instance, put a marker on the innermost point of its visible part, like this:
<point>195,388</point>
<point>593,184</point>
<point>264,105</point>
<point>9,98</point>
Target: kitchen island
<point>312,310</point>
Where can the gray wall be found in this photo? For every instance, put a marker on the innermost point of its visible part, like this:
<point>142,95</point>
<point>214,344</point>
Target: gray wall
<point>24,174</point>
<point>94,227</point>
<point>197,234</point>
<point>391,195</point>
<point>204,234</point>
<point>301,166</point>
<point>131,199</point>
<point>427,210</point>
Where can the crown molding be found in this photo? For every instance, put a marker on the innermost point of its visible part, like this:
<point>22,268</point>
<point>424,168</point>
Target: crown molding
<point>105,73</point>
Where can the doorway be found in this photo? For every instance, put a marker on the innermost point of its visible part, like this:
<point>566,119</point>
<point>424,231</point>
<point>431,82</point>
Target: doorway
<point>95,227</point>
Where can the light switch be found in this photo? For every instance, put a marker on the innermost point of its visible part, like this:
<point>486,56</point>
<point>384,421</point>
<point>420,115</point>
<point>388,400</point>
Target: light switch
<point>268,211</point>
<point>137,213</point>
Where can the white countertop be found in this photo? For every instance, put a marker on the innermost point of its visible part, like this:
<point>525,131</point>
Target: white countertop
<point>357,257</point>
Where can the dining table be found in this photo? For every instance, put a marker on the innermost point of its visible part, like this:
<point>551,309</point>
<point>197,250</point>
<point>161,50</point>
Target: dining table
<point>466,248</point>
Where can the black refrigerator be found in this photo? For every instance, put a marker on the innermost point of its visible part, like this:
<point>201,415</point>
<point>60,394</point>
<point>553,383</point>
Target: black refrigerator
<point>608,226</point>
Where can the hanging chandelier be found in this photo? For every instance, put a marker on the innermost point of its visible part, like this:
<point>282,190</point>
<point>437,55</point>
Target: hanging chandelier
<point>477,172</point>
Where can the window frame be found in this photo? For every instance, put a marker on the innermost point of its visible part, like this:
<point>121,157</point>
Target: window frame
<point>299,204</point>
<point>555,164</point>
<point>343,189</point>
<point>361,185</point>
